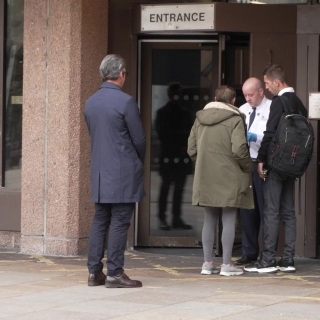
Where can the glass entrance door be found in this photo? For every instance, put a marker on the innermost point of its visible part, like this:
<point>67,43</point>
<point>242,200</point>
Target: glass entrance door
<point>176,80</point>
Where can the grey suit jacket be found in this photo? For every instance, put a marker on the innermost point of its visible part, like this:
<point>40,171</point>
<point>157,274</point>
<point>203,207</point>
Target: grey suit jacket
<point>118,146</point>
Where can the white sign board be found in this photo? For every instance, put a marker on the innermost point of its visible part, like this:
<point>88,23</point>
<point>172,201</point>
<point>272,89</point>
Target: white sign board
<point>16,99</point>
<point>177,17</point>
<point>314,105</point>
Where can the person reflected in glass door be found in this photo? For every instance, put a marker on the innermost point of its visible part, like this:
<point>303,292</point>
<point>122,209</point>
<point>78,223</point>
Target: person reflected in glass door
<point>173,124</point>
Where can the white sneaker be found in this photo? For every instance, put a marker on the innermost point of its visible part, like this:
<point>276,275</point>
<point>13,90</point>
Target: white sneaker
<point>208,268</point>
<point>230,270</point>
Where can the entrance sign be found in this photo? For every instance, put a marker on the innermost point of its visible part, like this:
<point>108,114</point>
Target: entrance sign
<point>177,17</point>
<point>314,105</point>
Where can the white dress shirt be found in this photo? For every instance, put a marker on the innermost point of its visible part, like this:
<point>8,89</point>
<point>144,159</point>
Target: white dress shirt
<point>288,89</point>
<point>259,123</point>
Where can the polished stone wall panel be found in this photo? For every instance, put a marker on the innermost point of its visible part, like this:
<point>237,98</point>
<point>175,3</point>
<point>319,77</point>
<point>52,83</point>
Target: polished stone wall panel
<point>94,39</point>
<point>59,75</point>
<point>74,43</point>
<point>34,118</point>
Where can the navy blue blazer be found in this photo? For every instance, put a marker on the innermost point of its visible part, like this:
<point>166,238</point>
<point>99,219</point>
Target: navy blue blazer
<point>118,146</point>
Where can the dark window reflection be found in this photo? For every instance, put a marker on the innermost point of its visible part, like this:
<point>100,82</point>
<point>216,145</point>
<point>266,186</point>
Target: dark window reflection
<point>182,81</point>
<point>173,125</point>
<point>13,93</point>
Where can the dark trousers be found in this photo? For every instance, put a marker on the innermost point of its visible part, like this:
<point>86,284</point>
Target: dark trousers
<point>115,217</point>
<point>278,204</point>
<point>178,179</point>
<point>252,218</point>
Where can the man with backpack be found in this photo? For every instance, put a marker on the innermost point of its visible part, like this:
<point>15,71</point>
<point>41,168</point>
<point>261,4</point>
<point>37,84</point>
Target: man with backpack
<point>278,189</point>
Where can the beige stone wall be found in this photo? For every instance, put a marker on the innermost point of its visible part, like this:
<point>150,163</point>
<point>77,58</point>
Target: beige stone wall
<point>64,43</point>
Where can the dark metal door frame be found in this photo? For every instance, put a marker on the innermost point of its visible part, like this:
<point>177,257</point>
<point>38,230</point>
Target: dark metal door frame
<point>10,209</point>
<point>2,31</point>
<point>142,219</point>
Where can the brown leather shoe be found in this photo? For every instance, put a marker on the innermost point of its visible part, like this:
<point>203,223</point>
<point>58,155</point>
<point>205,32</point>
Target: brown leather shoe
<point>122,281</point>
<point>96,279</point>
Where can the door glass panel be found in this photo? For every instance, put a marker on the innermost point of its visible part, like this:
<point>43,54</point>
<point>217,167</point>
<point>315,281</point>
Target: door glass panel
<point>182,81</point>
<point>13,94</point>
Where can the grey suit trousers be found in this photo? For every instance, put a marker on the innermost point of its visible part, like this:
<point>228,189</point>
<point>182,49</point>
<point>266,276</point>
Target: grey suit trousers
<point>113,218</point>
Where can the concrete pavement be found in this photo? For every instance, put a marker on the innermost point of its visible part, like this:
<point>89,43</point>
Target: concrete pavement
<point>38,287</point>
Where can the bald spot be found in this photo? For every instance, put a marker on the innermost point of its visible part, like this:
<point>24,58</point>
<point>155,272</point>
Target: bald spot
<point>252,83</point>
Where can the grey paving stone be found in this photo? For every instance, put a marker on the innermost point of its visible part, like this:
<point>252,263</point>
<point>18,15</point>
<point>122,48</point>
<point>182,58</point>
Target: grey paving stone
<point>152,296</point>
<point>193,310</point>
<point>13,278</point>
<point>56,288</point>
<point>101,291</point>
<point>280,290</point>
<point>243,299</point>
<point>41,301</point>
<point>282,310</point>
<point>109,308</point>
<point>57,314</point>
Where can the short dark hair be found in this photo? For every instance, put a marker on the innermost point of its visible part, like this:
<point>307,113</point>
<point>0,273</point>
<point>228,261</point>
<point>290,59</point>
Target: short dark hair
<point>225,94</point>
<point>275,72</point>
<point>174,88</point>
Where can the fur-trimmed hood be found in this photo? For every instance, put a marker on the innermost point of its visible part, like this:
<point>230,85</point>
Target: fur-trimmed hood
<point>216,112</point>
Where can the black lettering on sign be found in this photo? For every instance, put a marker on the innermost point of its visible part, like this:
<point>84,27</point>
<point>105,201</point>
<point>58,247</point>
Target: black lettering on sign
<point>172,17</point>
<point>187,17</point>
<point>179,17</point>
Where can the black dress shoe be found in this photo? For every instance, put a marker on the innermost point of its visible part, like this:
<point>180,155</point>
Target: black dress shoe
<point>180,225</point>
<point>96,279</point>
<point>122,281</point>
<point>244,260</point>
<point>163,225</point>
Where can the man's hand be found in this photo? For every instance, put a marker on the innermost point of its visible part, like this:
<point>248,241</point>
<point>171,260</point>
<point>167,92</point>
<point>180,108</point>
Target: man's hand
<point>251,137</point>
<point>260,171</point>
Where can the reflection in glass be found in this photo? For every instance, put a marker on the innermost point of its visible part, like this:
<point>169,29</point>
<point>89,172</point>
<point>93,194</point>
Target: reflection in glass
<point>173,124</point>
<point>181,78</point>
<point>13,94</point>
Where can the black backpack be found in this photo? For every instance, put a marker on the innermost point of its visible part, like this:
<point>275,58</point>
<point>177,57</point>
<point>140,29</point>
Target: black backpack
<point>291,148</point>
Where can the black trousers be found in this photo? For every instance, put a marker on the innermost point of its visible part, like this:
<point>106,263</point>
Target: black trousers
<point>179,180</point>
<point>253,218</point>
<point>278,195</point>
<point>115,217</point>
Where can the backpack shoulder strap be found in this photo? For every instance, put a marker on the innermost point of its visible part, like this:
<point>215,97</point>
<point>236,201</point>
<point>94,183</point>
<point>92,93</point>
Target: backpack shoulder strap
<point>286,105</point>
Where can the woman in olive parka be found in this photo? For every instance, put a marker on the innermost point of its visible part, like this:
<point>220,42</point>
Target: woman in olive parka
<point>222,179</point>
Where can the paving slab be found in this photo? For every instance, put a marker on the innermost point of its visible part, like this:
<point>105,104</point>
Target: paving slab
<point>41,287</point>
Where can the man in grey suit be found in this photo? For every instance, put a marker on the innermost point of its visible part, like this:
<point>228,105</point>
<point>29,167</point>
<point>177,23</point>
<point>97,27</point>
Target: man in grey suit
<point>118,148</point>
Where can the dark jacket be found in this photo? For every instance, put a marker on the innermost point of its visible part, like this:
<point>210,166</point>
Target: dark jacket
<point>276,111</point>
<point>173,124</point>
<point>118,146</point>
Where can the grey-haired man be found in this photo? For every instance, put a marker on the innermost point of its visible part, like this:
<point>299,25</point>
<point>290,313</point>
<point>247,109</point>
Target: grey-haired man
<point>118,148</point>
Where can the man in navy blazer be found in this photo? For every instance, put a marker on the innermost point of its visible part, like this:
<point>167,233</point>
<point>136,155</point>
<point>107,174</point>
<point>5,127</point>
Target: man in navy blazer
<point>118,147</point>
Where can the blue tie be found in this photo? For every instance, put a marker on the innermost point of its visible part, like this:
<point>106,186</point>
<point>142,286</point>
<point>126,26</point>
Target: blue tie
<point>252,116</point>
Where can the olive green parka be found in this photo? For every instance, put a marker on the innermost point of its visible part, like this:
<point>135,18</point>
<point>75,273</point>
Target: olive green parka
<point>218,146</point>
